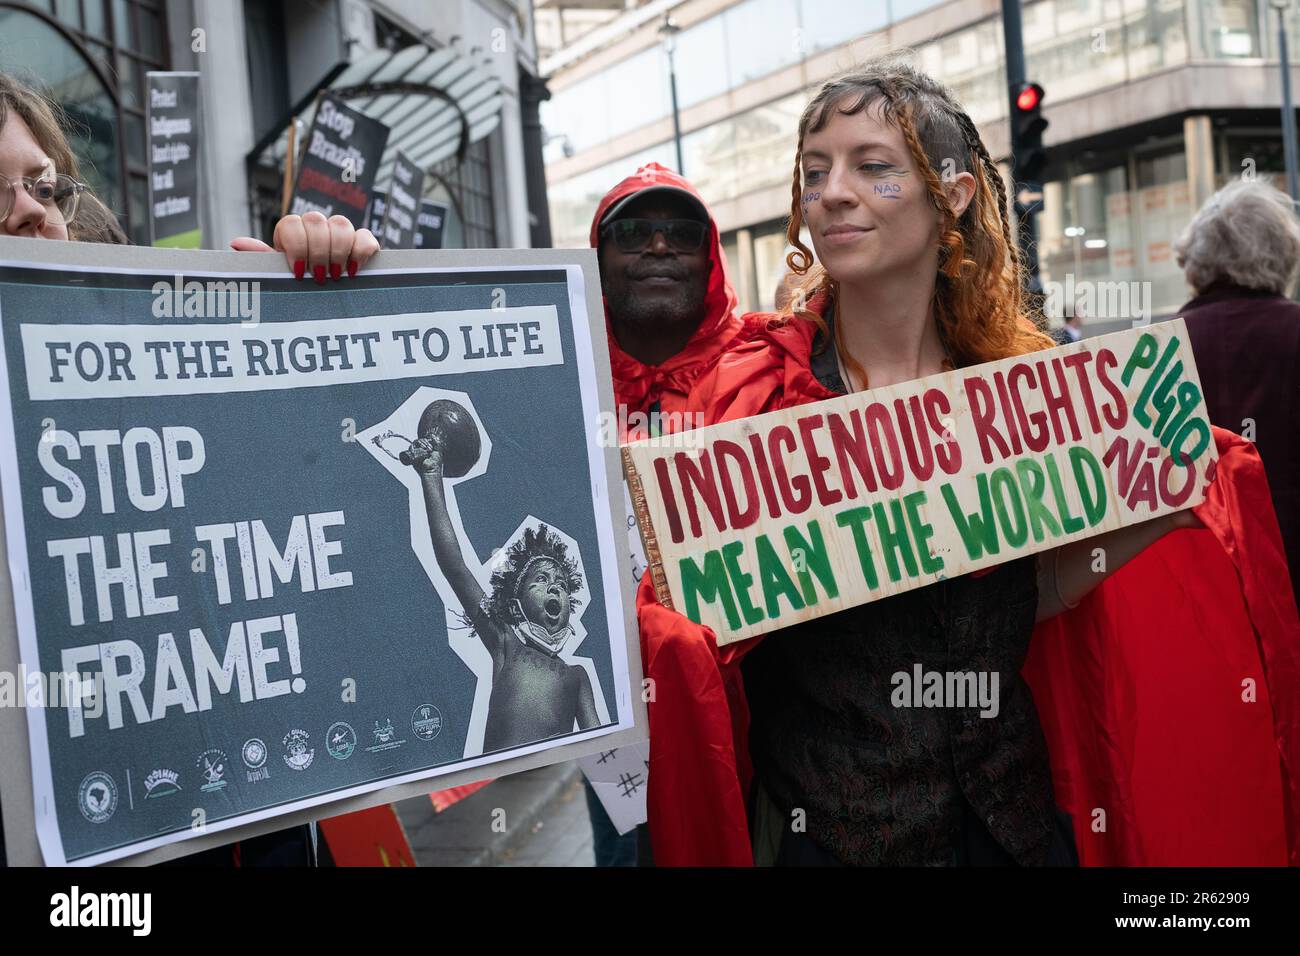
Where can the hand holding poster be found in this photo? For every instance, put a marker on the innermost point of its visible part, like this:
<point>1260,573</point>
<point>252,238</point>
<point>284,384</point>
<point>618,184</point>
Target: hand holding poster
<point>756,524</point>
<point>274,549</point>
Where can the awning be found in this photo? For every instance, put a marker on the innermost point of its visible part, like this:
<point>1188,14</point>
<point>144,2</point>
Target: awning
<point>435,103</point>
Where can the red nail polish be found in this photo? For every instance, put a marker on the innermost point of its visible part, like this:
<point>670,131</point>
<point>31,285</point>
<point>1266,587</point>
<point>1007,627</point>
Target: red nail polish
<point>353,266</point>
<point>299,267</point>
<point>319,273</point>
<point>336,270</point>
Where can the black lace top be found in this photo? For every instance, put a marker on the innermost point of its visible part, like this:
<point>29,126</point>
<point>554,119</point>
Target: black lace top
<point>887,785</point>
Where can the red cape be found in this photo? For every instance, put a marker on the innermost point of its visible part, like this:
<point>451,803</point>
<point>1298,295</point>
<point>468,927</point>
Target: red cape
<point>1159,750</point>
<point>636,385</point>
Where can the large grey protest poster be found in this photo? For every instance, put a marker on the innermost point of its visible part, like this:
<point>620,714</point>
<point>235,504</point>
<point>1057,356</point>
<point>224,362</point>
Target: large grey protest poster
<point>313,541</point>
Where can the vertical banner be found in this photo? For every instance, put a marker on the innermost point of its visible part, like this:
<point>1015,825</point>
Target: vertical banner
<point>174,178</point>
<point>402,204</point>
<point>291,551</point>
<point>378,203</point>
<point>430,225</point>
<point>339,164</point>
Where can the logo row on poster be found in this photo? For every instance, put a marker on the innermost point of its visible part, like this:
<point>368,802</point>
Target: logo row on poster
<point>98,794</point>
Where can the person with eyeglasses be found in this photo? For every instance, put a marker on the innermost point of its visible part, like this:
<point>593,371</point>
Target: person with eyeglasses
<point>42,197</point>
<point>670,310</point>
<point>669,304</point>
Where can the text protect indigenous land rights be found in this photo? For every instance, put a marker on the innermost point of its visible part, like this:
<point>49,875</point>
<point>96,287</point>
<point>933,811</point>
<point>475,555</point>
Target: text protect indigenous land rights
<point>757,524</point>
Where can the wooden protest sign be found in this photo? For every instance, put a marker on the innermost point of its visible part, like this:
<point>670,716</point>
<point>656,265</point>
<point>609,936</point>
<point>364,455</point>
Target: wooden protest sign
<point>757,524</point>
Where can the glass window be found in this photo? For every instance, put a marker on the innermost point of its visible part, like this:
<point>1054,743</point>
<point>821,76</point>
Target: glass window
<point>902,9</point>
<point>580,113</point>
<point>750,151</point>
<point>636,91</point>
<point>152,41</point>
<point>761,37</point>
<point>36,53</point>
<point>1260,154</point>
<point>1077,48</point>
<point>69,11</point>
<point>1230,28</point>
<point>829,23</point>
<point>124,25</point>
<point>709,156</point>
<point>701,62</point>
<point>1155,35</point>
<point>969,62</point>
<point>96,23</point>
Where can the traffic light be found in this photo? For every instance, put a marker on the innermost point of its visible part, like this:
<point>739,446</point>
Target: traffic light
<point>1027,125</point>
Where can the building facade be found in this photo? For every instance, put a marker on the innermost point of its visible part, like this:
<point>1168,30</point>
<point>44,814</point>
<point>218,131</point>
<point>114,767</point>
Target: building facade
<point>261,65</point>
<point>1152,105</point>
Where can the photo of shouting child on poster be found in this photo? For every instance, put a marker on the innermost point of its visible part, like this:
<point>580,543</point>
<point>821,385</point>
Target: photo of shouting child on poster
<point>515,621</point>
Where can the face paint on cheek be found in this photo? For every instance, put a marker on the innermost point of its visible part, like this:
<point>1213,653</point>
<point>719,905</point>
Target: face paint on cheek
<point>810,198</point>
<point>888,190</point>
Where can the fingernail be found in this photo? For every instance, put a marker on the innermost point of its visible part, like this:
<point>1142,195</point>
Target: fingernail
<point>299,267</point>
<point>353,266</point>
<point>319,273</point>
<point>336,270</point>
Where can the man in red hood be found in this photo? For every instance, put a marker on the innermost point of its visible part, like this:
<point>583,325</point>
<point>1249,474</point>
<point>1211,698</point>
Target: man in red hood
<point>670,309</point>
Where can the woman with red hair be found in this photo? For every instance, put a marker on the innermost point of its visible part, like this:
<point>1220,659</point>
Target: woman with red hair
<point>916,273</point>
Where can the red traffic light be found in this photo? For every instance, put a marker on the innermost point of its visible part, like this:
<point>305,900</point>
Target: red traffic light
<point>1030,95</point>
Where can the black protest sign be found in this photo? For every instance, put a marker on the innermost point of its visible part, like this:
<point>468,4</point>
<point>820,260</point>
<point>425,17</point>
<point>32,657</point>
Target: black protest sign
<point>430,224</point>
<point>173,107</point>
<point>378,203</point>
<point>402,204</point>
<point>338,166</point>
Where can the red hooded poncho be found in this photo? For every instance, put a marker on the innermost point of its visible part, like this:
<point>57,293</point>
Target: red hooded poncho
<point>637,386</point>
<point>1170,698</point>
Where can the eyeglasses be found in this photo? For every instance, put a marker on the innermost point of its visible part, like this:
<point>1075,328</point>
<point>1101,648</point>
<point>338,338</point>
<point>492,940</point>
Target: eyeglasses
<point>62,193</point>
<point>633,235</point>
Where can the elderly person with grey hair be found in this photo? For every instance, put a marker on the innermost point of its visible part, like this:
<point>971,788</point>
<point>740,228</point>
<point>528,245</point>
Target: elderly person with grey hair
<point>1241,255</point>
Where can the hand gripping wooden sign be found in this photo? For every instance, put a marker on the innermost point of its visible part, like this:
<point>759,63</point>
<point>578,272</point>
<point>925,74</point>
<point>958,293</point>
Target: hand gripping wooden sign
<point>757,524</point>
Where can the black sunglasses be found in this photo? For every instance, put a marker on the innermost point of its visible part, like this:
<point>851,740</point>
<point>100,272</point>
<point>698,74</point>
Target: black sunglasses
<point>633,235</point>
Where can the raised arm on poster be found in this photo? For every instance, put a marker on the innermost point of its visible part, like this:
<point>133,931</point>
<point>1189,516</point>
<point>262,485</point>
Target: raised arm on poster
<point>339,162</point>
<point>278,554</point>
<point>756,524</point>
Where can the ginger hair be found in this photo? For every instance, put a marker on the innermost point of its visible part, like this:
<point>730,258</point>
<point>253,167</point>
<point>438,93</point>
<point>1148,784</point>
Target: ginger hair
<point>978,301</point>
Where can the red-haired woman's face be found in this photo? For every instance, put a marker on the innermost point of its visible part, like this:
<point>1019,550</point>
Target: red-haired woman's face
<point>21,156</point>
<point>866,203</point>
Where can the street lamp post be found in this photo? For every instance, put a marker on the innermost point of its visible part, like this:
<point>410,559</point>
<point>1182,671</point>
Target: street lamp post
<point>669,30</point>
<point>1288,109</point>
